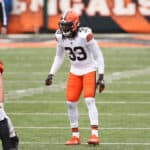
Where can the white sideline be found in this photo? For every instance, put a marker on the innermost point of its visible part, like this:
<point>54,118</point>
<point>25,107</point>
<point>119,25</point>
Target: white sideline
<point>103,143</point>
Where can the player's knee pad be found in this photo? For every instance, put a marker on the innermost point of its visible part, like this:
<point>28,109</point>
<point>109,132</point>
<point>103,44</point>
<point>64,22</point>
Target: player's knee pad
<point>90,100</point>
<point>72,105</point>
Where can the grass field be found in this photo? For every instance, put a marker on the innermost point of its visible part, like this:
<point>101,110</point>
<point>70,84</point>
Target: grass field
<point>39,113</point>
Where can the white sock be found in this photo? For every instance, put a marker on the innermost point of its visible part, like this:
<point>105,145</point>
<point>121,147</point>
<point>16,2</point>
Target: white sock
<point>76,134</point>
<point>94,132</point>
<point>73,114</point>
<point>93,113</point>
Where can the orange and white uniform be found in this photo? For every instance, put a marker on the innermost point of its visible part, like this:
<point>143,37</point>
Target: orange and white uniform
<point>1,67</point>
<point>7,130</point>
<point>1,83</point>
<point>85,57</point>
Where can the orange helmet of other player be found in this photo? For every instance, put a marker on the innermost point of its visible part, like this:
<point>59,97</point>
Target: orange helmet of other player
<point>1,67</point>
<point>69,23</point>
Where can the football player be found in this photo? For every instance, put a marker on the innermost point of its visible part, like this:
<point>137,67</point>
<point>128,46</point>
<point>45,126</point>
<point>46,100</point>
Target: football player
<point>7,133</point>
<point>86,58</point>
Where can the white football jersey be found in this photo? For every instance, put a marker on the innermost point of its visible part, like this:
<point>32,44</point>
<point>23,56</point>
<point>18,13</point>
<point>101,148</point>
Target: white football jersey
<point>83,51</point>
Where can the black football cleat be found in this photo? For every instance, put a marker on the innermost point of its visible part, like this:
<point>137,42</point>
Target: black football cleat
<point>14,142</point>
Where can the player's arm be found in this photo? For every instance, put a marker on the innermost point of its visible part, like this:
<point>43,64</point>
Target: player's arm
<point>4,18</point>
<point>98,56</point>
<point>58,60</point>
<point>97,53</point>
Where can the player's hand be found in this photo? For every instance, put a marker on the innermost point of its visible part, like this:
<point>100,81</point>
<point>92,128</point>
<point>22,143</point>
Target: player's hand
<point>49,79</point>
<point>100,84</point>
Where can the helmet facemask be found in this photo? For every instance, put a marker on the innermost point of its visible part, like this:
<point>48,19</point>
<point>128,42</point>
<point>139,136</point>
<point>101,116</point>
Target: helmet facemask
<point>66,28</point>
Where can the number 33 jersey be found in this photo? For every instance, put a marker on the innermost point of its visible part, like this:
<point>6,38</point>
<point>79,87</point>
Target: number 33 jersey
<point>82,50</point>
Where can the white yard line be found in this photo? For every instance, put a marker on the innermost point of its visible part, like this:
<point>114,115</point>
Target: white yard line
<point>133,82</point>
<point>82,128</point>
<point>127,74</point>
<point>125,143</point>
<point>24,73</point>
<point>64,102</point>
<point>103,143</point>
<point>118,82</point>
<point>32,91</point>
<point>128,92</point>
<point>81,114</point>
<point>55,88</point>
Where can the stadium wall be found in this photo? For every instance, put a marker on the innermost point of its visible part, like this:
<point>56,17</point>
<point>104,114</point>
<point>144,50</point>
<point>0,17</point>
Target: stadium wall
<point>103,16</point>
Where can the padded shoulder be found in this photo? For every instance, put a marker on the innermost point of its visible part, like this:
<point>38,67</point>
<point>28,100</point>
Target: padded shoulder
<point>86,33</point>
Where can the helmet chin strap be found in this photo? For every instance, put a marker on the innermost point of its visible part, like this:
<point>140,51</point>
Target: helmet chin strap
<point>70,35</point>
<point>67,34</point>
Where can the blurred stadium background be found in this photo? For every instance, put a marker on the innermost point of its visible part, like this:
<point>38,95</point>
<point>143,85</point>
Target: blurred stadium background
<point>105,16</point>
<point>122,29</point>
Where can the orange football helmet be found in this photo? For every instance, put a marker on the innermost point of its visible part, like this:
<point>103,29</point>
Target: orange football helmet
<point>69,23</point>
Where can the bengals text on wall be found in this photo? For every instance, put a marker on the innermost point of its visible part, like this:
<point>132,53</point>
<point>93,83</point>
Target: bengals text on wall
<point>101,15</point>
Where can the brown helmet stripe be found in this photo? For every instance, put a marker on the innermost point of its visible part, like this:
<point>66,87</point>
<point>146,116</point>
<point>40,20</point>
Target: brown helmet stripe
<point>65,15</point>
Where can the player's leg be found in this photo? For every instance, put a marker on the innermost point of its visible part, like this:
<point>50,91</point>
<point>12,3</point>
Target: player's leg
<point>89,86</point>
<point>73,118</point>
<point>14,140</point>
<point>9,139</point>
<point>93,116</point>
<point>74,88</point>
<point>4,130</point>
<point>7,133</point>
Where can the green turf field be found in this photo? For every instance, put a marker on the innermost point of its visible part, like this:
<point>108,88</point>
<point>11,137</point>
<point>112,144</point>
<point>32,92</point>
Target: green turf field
<point>39,113</point>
